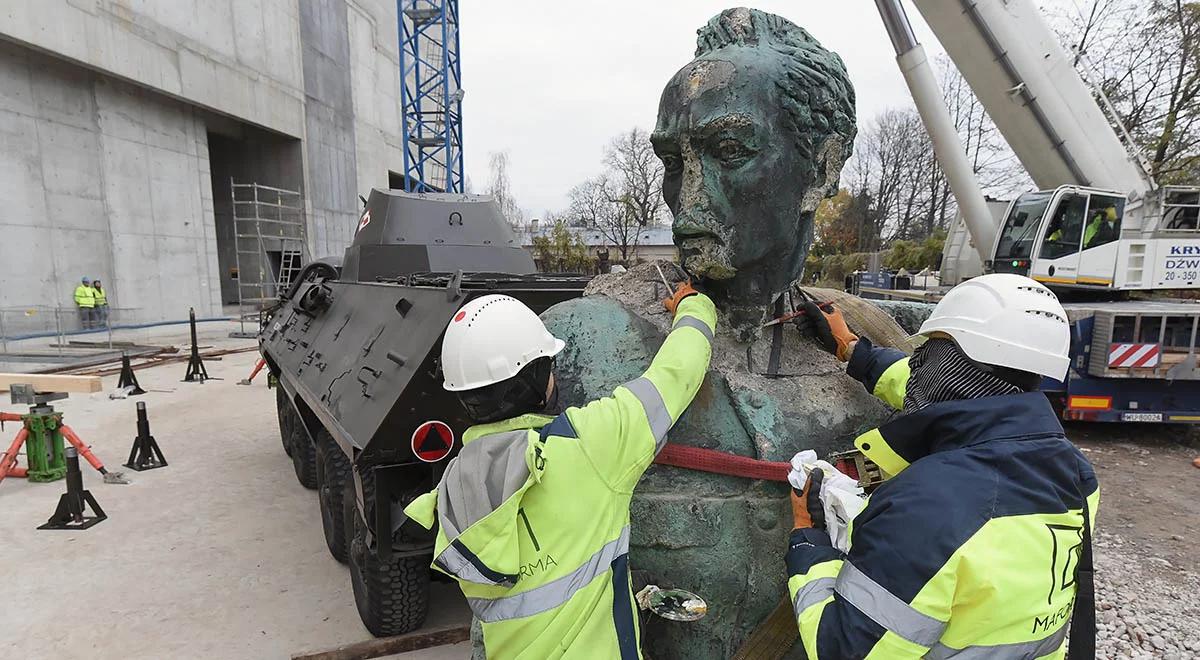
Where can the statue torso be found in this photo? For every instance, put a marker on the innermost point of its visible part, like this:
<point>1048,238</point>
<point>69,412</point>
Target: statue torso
<point>722,537</point>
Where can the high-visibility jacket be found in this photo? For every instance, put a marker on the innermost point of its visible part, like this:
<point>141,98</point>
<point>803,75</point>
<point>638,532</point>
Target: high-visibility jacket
<point>85,296</point>
<point>100,296</point>
<point>969,548</point>
<point>533,513</point>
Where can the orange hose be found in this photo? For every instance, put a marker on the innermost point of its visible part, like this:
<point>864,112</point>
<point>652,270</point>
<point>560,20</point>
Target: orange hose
<point>82,448</point>
<point>8,460</point>
<point>9,417</point>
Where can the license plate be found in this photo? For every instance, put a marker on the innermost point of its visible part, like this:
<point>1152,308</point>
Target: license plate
<point>1141,417</point>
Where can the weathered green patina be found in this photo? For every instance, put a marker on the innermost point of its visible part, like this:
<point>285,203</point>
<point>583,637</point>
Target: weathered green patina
<point>752,134</point>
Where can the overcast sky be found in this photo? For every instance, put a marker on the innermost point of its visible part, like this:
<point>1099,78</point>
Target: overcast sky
<point>552,81</point>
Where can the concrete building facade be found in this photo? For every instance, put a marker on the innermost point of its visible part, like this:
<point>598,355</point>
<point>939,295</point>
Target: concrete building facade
<point>123,122</point>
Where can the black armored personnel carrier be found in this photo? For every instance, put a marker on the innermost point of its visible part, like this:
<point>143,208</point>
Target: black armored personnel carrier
<point>354,349</point>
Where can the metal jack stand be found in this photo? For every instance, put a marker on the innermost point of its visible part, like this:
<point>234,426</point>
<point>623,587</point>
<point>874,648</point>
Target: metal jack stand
<point>127,377</point>
<point>195,367</point>
<point>69,514</point>
<point>145,454</point>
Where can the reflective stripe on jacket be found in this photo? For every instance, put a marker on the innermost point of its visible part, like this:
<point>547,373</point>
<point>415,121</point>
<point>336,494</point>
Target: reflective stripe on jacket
<point>533,514</point>
<point>85,296</point>
<point>969,550</point>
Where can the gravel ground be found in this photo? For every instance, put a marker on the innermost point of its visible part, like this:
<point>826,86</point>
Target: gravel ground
<point>1147,568</point>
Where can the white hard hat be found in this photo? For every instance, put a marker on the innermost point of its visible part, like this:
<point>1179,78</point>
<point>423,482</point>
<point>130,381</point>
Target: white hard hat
<point>491,339</point>
<point>1005,320</point>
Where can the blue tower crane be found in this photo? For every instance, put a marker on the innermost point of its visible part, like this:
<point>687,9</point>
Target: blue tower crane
<point>430,95</point>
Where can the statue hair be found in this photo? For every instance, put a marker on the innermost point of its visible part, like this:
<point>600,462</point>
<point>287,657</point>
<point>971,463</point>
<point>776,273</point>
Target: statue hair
<point>817,94</point>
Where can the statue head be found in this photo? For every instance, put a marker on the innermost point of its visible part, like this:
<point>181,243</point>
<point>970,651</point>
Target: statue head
<point>752,134</point>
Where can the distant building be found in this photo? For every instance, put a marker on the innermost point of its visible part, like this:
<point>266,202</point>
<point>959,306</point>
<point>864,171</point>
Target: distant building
<point>653,243</point>
<point>122,124</point>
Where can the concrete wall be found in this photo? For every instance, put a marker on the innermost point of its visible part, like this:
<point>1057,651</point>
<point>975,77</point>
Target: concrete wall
<point>105,111</point>
<point>375,66</point>
<point>100,178</point>
<point>237,57</point>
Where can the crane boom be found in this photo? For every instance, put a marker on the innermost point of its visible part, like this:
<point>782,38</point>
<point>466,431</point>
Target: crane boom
<point>947,146</point>
<point>1016,67</point>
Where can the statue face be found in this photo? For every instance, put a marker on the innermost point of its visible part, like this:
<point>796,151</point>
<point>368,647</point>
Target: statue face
<point>734,178</point>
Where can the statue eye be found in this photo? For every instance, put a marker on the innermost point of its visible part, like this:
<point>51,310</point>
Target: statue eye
<point>732,152</point>
<point>671,163</point>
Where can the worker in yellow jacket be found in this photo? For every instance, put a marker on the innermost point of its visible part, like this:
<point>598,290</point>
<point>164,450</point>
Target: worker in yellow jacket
<point>100,312</point>
<point>533,514</point>
<point>978,541</point>
<point>85,301</point>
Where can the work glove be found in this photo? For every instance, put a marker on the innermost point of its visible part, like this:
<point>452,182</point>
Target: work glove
<point>807,510</point>
<point>830,328</point>
<point>683,290</point>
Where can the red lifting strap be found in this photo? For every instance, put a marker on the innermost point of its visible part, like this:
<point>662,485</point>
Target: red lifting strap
<point>719,462</point>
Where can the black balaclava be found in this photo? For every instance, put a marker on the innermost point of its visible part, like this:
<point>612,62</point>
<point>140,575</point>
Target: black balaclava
<point>942,372</point>
<point>519,395</point>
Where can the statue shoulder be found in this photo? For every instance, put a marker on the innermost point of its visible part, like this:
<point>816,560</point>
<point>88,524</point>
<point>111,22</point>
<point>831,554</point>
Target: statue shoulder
<point>606,344</point>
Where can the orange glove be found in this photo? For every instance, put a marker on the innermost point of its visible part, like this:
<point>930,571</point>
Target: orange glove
<point>831,328</point>
<point>683,290</point>
<point>806,507</point>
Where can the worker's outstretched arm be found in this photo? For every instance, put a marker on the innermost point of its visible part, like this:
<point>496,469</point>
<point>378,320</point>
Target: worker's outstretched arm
<point>621,434</point>
<point>885,599</point>
<point>883,371</point>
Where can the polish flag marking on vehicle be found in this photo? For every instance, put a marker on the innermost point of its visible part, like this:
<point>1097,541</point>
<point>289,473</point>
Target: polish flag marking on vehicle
<point>1133,355</point>
<point>366,220</point>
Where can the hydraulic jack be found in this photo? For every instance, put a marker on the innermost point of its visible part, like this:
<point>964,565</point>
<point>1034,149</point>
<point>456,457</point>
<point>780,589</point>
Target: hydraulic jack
<point>42,434</point>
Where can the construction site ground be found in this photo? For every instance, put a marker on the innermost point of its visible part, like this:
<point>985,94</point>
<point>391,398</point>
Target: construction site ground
<point>221,554</point>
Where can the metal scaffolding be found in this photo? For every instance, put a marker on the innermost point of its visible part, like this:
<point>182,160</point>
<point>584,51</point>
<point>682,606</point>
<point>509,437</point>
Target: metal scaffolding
<point>431,95</point>
<point>271,246</point>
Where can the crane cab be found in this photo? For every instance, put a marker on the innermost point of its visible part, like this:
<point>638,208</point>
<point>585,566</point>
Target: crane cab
<point>1088,238</point>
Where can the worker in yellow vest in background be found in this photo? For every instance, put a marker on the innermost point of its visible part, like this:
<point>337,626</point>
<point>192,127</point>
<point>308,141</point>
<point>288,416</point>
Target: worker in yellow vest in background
<point>1102,228</point>
<point>100,311</point>
<point>85,300</point>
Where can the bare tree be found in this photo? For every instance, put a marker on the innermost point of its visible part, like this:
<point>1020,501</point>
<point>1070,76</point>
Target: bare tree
<point>635,175</point>
<point>500,190</point>
<point>1145,57</point>
<point>598,204</point>
<point>896,173</point>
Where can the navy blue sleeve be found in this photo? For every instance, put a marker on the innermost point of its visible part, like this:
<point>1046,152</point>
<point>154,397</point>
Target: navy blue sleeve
<point>868,362</point>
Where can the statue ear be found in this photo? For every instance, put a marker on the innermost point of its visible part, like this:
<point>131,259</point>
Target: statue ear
<point>827,171</point>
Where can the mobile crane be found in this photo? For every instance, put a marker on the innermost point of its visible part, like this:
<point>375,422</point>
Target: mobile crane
<point>1098,228</point>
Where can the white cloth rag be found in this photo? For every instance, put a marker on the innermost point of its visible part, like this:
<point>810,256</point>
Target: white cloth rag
<point>841,496</point>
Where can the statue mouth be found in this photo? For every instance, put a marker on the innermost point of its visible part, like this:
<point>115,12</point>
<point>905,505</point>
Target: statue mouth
<point>706,256</point>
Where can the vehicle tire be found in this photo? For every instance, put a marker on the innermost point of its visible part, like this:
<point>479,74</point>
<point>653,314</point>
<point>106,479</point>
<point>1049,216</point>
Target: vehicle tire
<point>333,471</point>
<point>392,597</point>
<point>283,407</point>
<point>304,452</point>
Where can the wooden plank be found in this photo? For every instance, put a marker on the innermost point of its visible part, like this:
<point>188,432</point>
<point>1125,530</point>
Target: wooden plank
<point>375,648</point>
<point>52,382</point>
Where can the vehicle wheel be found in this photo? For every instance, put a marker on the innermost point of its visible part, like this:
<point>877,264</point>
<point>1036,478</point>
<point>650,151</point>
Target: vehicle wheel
<point>283,408</point>
<point>392,597</point>
<point>304,453</point>
<point>333,471</point>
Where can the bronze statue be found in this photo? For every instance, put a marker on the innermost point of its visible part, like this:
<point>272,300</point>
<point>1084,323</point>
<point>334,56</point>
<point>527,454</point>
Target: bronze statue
<point>753,134</point>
